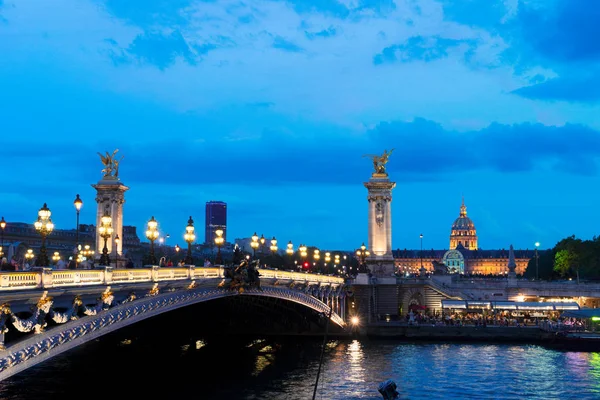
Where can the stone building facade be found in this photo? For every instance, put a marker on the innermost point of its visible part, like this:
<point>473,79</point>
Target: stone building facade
<point>464,255</point>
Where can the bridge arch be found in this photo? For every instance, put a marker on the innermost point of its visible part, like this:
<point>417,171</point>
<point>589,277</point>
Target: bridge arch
<point>63,337</point>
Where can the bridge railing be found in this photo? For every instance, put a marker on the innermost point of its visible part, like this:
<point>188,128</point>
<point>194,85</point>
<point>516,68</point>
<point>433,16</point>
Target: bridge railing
<point>44,278</point>
<point>298,276</point>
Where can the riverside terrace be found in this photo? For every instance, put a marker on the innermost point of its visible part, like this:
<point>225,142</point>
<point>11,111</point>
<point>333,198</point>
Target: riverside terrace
<point>64,309</point>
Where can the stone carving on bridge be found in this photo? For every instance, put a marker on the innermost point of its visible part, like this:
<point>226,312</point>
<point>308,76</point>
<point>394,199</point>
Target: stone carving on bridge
<point>154,291</point>
<point>243,276</point>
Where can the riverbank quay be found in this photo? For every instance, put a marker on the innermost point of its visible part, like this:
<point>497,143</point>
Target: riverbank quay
<point>582,341</point>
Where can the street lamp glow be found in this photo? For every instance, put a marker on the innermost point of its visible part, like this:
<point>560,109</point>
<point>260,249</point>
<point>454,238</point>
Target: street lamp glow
<point>317,254</point>
<point>105,230</point>
<point>327,257</point>
<point>354,320</point>
<point>219,240</point>
<point>290,248</point>
<point>303,251</point>
<point>44,226</point>
<point>152,234</point>
<point>189,237</point>
<point>273,247</point>
<point>254,244</point>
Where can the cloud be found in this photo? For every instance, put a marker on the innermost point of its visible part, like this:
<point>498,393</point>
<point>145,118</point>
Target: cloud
<point>158,49</point>
<point>332,8</point>
<point>570,89</point>
<point>283,44</point>
<point>420,48</point>
<point>424,152</point>
<point>150,12</point>
<point>560,36</point>
<point>486,14</point>
<point>325,33</point>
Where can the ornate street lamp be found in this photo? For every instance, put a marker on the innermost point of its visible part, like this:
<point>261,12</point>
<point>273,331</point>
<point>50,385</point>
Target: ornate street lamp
<point>177,248</point>
<point>56,257</point>
<point>290,251</point>
<point>362,254</point>
<point>117,241</point>
<point>152,235</point>
<point>2,226</point>
<point>219,242</point>
<point>421,252</point>
<point>537,276</point>
<point>189,237</point>
<point>29,256</point>
<point>316,257</point>
<point>303,251</point>
<point>105,230</point>
<point>44,226</point>
<point>262,242</point>
<point>78,203</point>
<point>87,252</point>
<point>254,244</point>
<point>273,246</point>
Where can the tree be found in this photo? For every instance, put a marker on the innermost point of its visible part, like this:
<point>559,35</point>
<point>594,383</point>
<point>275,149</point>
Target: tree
<point>564,260</point>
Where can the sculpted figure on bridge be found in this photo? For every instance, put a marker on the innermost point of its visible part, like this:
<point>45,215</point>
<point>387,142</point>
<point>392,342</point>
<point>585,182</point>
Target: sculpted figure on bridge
<point>380,161</point>
<point>111,165</point>
<point>244,275</point>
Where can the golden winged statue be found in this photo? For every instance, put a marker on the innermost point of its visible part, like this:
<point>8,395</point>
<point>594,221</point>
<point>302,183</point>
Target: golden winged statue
<point>110,165</point>
<point>380,161</point>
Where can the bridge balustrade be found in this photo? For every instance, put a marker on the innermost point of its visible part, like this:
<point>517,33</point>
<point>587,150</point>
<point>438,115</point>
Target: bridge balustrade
<point>44,278</point>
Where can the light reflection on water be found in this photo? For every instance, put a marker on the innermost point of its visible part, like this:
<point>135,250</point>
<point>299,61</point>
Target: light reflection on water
<point>352,370</point>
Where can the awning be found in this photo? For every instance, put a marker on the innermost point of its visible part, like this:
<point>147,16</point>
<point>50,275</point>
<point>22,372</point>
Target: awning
<point>509,305</point>
<point>583,313</point>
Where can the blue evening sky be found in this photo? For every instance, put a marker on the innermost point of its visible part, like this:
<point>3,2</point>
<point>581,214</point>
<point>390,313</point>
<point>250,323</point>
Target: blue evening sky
<point>270,105</point>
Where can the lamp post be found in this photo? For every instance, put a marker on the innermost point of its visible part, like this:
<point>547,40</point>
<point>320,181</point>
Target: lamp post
<point>105,230</point>
<point>537,276</point>
<point>362,254</point>
<point>78,203</point>
<point>254,244</point>
<point>316,257</point>
<point>273,246</point>
<point>44,226</point>
<point>56,257</point>
<point>336,262</point>
<point>219,242</point>
<point>421,252</point>
<point>189,237</point>
<point>117,241</point>
<point>152,235</point>
<point>303,253</point>
<point>262,242</point>
<point>290,251</point>
<point>29,256</point>
<point>2,226</point>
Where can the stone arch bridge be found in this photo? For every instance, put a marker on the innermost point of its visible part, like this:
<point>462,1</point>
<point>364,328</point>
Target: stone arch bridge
<point>63,309</point>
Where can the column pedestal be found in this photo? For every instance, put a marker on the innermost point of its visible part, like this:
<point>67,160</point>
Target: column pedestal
<point>381,260</point>
<point>110,197</point>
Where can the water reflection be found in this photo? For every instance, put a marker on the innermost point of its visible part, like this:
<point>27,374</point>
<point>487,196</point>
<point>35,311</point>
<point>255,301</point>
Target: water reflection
<point>286,369</point>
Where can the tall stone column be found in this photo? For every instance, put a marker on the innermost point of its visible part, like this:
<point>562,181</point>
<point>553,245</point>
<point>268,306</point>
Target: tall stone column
<point>381,260</point>
<point>110,196</point>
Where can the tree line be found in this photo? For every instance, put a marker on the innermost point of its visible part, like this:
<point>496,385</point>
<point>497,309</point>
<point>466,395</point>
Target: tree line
<point>570,258</point>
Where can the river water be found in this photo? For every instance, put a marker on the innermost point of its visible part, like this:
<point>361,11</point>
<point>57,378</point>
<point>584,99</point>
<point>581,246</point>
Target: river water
<point>161,365</point>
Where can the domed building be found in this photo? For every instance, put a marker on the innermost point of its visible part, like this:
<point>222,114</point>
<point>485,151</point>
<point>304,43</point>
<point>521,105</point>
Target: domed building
<point>463,231</point>
<point>463,256</point>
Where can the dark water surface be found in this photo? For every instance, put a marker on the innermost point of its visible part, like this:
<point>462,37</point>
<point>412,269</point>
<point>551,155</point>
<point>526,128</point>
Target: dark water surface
<point>117,366</point>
